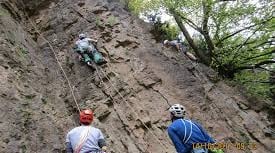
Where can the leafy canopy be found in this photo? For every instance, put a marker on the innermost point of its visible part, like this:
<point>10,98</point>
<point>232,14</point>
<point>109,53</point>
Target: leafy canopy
<point>236,38</point>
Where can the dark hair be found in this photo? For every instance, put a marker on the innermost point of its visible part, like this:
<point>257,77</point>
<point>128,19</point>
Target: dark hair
<point>85,123</point>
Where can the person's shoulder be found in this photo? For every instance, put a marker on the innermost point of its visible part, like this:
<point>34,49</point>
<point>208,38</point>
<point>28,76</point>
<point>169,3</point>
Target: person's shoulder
<point>95,129</point>
<point>174,124</point>
<point>173,127</point>
<point>170,127</point>
<point>195,122</point>
<point>74,129</point>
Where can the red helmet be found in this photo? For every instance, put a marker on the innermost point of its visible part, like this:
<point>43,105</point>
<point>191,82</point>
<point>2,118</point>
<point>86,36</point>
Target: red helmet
<point>86,116</point>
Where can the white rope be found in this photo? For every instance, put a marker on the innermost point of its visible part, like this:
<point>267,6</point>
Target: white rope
<point>133,111</point>
<point>55,55</point>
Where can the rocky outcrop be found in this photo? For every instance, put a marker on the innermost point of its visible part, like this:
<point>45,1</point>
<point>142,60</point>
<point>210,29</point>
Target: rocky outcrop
<point>130,95</point>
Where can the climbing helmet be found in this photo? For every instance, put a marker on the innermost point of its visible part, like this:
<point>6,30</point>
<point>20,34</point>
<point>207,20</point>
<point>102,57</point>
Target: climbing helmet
<point>177,110</point>
<point>81,36</point>
<point>86,116</point>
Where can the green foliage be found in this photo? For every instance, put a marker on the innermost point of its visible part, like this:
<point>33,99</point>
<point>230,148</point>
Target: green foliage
<point>255,82</point>
<point>112,20</point>
<point>98,22</point>
<point>136,6</point>
<point>21,51</point>
<point>163,31</point>
<point>142,6</point>
<point>3,12</point>
<point>30,97</point>
<point>44,100</point>
<point>238,36</point>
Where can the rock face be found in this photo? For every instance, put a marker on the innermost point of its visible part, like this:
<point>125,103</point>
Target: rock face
<point>130,95</point>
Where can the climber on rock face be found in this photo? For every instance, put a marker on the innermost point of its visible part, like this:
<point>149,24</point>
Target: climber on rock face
<point>85,138</point>
<point>185,134</point>
<point>179,46</point>
<point>84,46</point>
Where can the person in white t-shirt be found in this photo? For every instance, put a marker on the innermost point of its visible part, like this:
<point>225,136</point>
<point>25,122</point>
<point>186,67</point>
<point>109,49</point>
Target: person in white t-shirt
<point>85,138</point>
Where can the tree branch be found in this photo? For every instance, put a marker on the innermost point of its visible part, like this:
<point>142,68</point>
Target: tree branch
<point>266,69</point>
<point>224,0</point>
<point>186,34</point>
<point>206,13</point>
<point>190,22</point>
<point>257,81</point>
<point>258,65</point>
<point>245,28</point>
<point>247,59</point>
<point>236,53</point>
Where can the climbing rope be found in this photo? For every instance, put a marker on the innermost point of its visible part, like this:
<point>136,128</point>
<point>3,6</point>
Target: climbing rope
<point>55,55</point>
<point>125,101</point>
<point>72,88</point>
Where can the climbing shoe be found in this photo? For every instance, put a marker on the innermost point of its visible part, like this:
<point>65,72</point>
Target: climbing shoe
<point>91,64</point>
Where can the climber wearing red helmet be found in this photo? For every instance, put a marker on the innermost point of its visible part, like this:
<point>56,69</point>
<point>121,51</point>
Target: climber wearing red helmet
<point>86,117</point>
<point>85,138</point>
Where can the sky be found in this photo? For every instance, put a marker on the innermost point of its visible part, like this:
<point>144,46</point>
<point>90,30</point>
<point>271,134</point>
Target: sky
<point>166,17</point>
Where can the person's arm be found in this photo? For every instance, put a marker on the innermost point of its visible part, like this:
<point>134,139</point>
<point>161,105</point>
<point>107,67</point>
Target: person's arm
<point>101,142</point>
<point>176,140</point>
<point>206,135</point>
<point>94,41</point>
<point>76,49</point>
<point>178,47</point>
<point>69,148</point>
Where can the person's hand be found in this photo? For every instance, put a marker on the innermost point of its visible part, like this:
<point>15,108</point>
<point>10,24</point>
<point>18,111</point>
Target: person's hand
<point>94,40</point>
<point>104,149</point>
<point>79,57</point>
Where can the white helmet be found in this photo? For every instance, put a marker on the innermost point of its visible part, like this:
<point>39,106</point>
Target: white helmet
<point>177,110</point>
<point>165,42</point>
<point>81,36</point>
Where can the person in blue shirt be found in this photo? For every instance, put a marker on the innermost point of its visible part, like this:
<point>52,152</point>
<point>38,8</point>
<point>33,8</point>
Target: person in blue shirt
<point>185,134</point>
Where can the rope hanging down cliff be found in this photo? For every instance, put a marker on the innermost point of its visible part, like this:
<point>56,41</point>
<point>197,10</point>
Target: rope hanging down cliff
<point>71,87</point>
<point>55,55</point>
<point>125,101</point>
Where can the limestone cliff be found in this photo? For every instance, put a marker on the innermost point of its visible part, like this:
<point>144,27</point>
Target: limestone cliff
<point>37,107</point>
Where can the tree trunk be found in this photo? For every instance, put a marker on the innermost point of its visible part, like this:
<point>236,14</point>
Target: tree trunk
<point>205,31</point>
<point>272,82</point>
<point>186,34</point>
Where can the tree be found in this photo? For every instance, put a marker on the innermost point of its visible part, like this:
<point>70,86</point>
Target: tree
<point>219,22</point>
<point>238,35</point>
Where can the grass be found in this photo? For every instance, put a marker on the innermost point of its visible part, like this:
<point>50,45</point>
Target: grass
<point>44,101</point>
<point>98,22</point>
<point>112,20</point>
<point>21,51</point>
<point>29,97</point>
<point>127,51</point>
<point>3,12</point>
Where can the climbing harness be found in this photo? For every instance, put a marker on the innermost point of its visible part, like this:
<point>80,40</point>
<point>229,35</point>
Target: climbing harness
<point>83,138</point>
